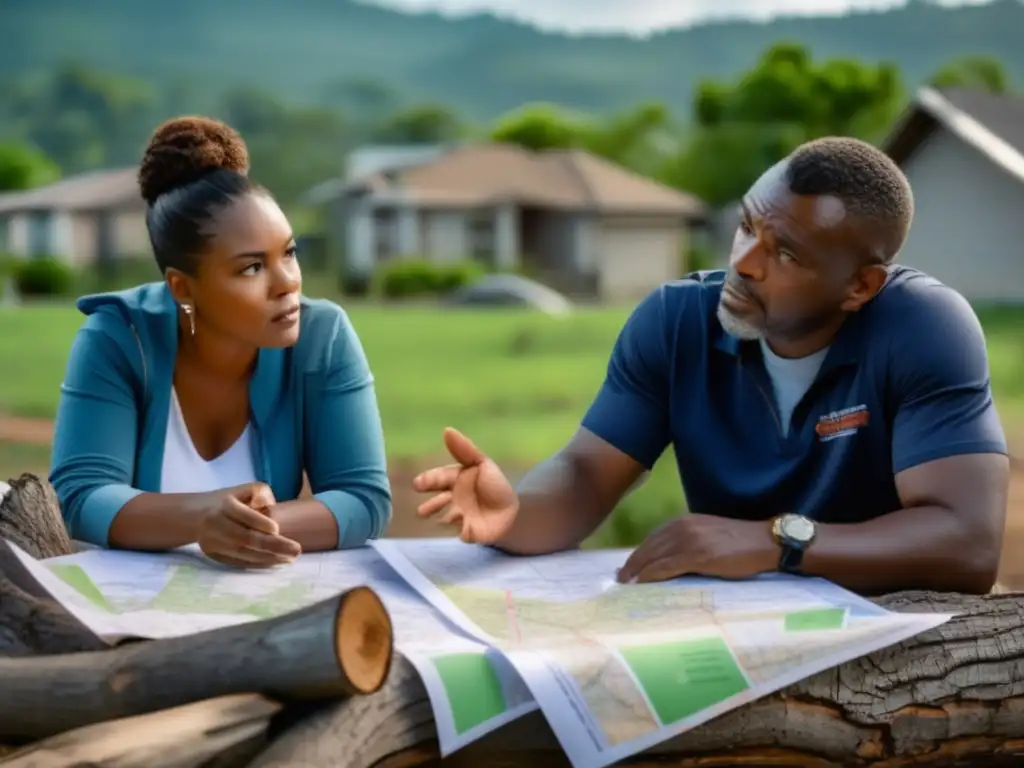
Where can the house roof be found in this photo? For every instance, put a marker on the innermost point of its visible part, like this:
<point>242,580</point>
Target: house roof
<point>97,190</point>
<point>480,174</point>
<point>991,123</point>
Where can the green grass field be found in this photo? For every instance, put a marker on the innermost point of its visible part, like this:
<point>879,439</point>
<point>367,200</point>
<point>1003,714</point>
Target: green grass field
<point>516,382</point>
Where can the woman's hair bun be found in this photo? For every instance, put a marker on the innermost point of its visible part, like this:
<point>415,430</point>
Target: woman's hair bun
<point>183,149</point>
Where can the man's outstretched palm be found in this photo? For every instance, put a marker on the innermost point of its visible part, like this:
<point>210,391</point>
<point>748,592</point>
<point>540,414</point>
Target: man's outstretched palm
<point>474,492</point>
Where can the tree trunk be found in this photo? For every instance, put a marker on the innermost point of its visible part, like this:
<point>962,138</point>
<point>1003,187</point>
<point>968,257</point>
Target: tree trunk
<point>953,696</point>
<point>336,648</point>
<point>30,517</point>
<point>224,732</point>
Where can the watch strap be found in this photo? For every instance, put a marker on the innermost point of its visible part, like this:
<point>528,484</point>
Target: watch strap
<point>790,558</point>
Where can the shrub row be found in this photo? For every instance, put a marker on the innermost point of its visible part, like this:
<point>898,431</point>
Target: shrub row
<point>42,276</point>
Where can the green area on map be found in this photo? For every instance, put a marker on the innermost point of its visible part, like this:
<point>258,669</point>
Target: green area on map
<point>473,688</point>
<point>815,619</point>
<point>76,578</point>
<point>683,677</point>
<point>191,590</point>
<point>188,591</point>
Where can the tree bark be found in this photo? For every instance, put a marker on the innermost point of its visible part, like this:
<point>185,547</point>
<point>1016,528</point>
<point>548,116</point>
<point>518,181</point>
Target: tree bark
<point>225,732</point>
<point>951,697</point>
<point>339,647</point>
<point>30,517</point>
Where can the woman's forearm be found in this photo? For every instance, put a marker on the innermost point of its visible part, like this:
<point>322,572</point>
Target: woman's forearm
<point>159,521</point>
<point>307,521</point>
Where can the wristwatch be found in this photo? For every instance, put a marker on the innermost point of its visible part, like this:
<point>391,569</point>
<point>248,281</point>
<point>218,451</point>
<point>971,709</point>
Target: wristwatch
<point>793,533</point>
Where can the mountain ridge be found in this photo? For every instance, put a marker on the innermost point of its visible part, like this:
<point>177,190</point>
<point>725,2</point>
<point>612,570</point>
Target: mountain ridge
<point>325,51</point>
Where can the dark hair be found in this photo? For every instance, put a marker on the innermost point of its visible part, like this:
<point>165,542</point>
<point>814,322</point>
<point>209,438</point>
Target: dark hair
<point>192,166</point>
<point>868,182</point>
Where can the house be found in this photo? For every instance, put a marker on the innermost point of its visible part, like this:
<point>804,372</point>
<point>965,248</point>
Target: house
<point>78,219</point>
<point>963,152</point>
<point>568,218</point>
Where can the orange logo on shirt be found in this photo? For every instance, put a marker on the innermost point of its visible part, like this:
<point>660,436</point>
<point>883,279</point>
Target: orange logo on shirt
<point>841,423</point>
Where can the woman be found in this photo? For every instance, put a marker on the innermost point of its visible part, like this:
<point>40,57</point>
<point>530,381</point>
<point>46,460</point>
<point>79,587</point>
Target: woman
<point>191,407</point>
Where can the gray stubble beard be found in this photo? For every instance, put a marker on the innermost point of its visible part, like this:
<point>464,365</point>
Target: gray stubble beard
<point>736,326</point>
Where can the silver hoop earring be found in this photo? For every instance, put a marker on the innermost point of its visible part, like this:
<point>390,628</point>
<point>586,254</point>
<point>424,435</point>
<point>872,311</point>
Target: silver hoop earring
<point>191,318</point>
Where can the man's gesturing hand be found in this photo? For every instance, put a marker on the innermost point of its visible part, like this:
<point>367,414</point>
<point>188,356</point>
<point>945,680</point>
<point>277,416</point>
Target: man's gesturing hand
<point>476,494</point>
<point>237,529</point>
<point>703,545</point>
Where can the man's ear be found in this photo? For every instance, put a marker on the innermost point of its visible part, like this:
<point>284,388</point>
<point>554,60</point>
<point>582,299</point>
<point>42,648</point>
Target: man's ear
<point>864,286</point>
<point>179,285</point>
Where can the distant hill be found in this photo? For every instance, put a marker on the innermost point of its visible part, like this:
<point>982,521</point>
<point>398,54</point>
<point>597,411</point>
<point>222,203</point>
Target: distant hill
<point>342,51</point>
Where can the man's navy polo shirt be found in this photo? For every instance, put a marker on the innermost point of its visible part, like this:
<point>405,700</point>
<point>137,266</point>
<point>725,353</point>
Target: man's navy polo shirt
<point>905,381</point>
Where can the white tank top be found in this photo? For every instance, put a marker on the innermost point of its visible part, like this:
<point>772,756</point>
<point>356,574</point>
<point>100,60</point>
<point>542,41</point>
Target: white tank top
<point>185,471</point>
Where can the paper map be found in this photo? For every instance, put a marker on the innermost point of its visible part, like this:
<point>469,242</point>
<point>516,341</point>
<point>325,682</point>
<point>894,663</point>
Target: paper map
<point>619,668</point>
<point>615,668</point>
<point>117,594</point>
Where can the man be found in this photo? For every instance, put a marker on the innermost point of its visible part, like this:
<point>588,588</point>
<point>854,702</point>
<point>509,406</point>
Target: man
<point>830,412</point>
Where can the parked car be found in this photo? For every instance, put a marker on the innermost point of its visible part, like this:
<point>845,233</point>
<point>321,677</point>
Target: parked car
<point>509,291</point>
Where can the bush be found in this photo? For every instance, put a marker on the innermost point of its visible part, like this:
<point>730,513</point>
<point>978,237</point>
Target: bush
<point>355,284</point>
<point>7,265</point>
<point>406,279</point>
<point>44,276</point>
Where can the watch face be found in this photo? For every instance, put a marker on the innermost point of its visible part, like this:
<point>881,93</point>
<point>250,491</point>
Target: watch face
<point>798,528</point>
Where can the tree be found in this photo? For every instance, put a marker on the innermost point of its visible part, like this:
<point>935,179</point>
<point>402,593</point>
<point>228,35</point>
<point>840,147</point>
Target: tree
<point>743,127</point>
<point>639,138</point>
<point>985,73</point>
<point>421,124</point>
<point>541,126</point>
<point>24,167</point>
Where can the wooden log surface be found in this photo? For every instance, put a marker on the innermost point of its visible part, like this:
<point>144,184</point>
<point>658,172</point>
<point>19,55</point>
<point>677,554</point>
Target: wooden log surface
<point>224,732</point>
<point>948,698</point>
<point>30,517</point>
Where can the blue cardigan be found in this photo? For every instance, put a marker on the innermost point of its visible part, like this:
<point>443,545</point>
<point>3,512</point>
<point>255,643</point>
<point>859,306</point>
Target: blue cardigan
<point>312,407</point>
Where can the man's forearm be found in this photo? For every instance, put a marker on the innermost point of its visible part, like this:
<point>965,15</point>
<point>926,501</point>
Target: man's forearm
<point>557,509</point>
<point>916,548</point>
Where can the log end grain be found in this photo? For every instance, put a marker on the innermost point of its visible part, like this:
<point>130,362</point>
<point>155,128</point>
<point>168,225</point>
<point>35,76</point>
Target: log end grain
<point>364,640</point>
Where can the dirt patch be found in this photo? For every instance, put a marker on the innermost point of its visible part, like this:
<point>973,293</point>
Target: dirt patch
<point>27,431</point>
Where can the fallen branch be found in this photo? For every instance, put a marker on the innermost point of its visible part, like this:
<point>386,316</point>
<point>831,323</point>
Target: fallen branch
<point>337,648</point>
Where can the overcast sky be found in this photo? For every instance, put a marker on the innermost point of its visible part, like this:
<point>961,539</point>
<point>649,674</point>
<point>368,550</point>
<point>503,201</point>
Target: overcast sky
<point>642,15</point>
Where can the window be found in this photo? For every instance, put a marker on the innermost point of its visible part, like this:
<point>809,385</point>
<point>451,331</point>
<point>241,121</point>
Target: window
<point>480,231</point>
<point>40,233</point>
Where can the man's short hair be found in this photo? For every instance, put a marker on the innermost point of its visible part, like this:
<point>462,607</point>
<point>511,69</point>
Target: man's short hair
<point>868,182</point>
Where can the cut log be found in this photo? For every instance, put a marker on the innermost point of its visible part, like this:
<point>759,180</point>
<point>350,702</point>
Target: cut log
<point>953,696</point>
<point>231,729</point>
<point>339,647</point>
<point>30,517</point>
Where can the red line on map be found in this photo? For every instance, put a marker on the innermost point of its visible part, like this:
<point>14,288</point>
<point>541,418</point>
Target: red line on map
<point>510,607</point>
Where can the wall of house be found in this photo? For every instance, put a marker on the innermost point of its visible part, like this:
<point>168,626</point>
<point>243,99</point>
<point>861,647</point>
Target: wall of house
<point>129,238</point>
<point>638,254</point>
<point>40,233</point>
<point>561,242</point>
<point>444,235</point>
<point>73,237</point>
<point>968,228</point>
